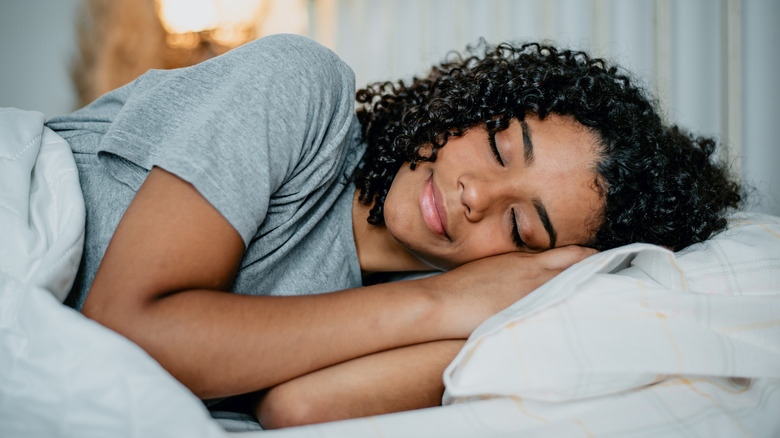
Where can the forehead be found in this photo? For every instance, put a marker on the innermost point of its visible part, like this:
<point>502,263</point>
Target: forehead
<point>564,168</point>
<point>563,139</point>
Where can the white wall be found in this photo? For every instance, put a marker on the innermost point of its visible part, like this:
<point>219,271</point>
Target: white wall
<point>761,100</point>
<point>678,48</point>
<point>38,41</point>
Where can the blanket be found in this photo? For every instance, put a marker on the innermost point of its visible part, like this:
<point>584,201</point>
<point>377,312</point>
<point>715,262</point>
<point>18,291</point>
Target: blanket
<point>61,374</point>
<point>633,342</point>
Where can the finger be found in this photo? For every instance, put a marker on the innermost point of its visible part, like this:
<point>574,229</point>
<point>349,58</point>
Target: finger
<point>563,257</point>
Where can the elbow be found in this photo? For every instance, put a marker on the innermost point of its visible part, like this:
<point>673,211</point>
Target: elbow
<point>109,313</point>
<point>300,402</point>
<point>118,308</point>
<point>97,309</point>
<point>283,406</point>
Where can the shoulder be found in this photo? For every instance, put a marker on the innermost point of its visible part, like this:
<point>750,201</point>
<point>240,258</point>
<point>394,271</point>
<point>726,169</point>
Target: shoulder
<point>291,52</point>
<point>290,42</point>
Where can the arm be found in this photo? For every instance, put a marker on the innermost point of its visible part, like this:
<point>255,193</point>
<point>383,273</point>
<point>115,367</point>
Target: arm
<point>390,381</point>
<point>162,280</point>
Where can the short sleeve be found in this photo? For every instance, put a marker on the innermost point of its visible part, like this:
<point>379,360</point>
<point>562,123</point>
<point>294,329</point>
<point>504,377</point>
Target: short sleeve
<point>242,127</point>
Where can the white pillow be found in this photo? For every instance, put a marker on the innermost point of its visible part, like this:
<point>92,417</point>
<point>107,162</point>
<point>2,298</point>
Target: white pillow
<point>635,316</point>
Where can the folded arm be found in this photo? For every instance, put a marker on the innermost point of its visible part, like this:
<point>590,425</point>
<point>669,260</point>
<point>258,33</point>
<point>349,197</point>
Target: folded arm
<point>163,279</point>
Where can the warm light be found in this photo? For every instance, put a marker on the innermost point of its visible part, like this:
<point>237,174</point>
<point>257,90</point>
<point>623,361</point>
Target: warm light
<point>229,23</point>
<point>285,16</point>
<point>238,20</point>
<point>182,16</point>
<point>238,13</point>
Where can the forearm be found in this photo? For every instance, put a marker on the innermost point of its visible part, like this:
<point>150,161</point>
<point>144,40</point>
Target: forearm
<point>220,344</point>
<point>157,285</point>
<point>390,381</point>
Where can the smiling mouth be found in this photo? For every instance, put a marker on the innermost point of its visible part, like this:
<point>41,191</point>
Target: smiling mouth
<point>431,207</point>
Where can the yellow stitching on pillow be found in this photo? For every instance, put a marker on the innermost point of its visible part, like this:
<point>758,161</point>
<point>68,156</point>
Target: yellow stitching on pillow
<point>736,223</point>
<point>658,379</point>
<point>748,327</point>
<point>770,231</point>
<point>644,300</point>
<point>470,353</point>
<point>581,424</point>
<point>683,282</point>
<point>689,381</point>
<point>521,406</point>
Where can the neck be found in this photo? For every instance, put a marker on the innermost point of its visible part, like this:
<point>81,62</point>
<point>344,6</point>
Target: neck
<point>377,249</point>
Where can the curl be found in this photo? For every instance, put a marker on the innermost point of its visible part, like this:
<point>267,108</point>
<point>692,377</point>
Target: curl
<point>661,185</point>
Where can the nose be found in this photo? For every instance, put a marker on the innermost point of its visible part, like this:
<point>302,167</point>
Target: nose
<point>480,196</point>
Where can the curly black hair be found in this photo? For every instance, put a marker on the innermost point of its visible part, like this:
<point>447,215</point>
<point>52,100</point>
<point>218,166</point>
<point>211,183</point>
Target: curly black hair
<point>661,185</point>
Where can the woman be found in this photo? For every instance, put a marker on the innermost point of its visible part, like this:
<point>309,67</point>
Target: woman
<point>251,173</point>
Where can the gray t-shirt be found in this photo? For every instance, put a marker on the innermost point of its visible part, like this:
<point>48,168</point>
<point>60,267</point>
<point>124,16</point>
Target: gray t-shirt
<point>266,133</point>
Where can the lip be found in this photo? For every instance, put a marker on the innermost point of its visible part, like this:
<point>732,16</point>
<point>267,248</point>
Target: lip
<point>432,208</point>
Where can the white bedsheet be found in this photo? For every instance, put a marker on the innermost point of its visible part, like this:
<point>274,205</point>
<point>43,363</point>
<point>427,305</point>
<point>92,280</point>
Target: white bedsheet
<point>62,375</point>
<point>631,342</point>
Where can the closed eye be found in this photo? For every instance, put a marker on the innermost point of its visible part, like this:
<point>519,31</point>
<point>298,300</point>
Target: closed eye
<point>516,233</point>
<point>494,148</point>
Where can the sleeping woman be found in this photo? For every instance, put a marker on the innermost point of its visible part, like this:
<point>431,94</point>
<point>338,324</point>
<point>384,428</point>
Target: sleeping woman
<point>237,208</point>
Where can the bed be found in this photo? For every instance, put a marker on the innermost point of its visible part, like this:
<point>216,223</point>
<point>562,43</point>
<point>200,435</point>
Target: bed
<point>636,341</point>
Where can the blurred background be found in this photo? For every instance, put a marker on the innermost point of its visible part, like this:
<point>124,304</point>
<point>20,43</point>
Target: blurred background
<point>712,64</point>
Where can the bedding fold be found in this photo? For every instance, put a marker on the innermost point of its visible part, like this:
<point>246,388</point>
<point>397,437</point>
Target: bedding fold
<point>62,374</point>
<point>41,208</point>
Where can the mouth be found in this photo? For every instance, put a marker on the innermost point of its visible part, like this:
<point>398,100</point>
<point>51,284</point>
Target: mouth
<point>432,207</point>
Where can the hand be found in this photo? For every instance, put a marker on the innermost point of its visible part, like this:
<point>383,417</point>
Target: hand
<point>473,292</point>
<point>161,284</point>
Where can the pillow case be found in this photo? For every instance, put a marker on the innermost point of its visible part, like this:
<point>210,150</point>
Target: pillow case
<point>634,316</point>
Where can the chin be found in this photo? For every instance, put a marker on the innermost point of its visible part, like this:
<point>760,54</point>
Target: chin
<point>435,262</point>
<point>413,247</point>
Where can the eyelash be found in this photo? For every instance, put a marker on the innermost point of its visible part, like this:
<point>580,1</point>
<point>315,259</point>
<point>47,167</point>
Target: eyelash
<point>516,232</point>
<point>494,148</point>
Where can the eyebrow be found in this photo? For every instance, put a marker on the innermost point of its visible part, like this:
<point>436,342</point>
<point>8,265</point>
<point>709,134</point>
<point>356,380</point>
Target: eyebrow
<point>528,146</point>
<point>528,154</point>
<point>545,218</point>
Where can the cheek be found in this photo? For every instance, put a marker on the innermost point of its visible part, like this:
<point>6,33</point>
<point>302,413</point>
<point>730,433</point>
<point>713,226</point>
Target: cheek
<point>483,241</point>
<point>397,218</point>
<point>399,205</point>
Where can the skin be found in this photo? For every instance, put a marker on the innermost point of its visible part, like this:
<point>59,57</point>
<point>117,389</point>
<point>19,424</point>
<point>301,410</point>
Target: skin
<point>472,198</point>
<point>163,279</point>
<point>371,385</point>
<point>479,194</point>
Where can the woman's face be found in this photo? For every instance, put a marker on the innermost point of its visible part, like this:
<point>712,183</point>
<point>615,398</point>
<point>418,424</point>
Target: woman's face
<point>535,191</point>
